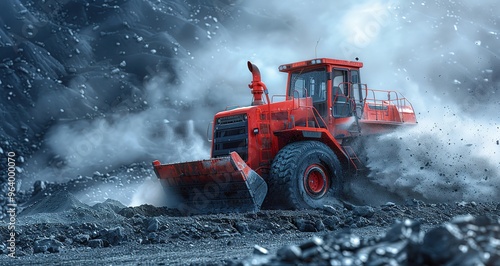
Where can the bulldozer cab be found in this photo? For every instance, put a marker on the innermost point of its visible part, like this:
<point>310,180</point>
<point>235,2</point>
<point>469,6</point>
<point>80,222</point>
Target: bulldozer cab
<point>345,104</point>
<point>334,86</point>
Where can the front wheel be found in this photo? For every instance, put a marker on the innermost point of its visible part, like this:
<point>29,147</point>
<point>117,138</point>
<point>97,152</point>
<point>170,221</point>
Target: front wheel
<point>303,175</point>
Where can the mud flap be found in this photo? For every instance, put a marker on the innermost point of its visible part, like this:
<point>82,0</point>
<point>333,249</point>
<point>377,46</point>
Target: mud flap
<point>219,185</point>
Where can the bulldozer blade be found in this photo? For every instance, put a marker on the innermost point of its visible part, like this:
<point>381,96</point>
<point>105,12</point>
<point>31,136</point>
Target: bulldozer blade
<point>218,185</point>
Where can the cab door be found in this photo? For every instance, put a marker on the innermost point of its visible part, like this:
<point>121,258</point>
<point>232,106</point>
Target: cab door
<point>357,92</point>
<point>340,93</point>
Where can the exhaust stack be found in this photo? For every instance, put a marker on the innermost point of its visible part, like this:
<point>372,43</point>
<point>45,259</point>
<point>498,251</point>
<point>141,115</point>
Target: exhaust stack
<point>256,86</point>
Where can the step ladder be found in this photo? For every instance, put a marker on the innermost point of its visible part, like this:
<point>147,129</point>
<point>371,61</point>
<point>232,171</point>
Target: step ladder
<point>353,158</point>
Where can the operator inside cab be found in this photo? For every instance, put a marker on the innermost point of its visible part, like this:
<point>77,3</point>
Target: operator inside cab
<point>313,83</point>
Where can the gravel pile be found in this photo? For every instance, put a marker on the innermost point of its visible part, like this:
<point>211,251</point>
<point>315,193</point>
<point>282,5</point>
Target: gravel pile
<point>54,221</point>
<point>465,240</point>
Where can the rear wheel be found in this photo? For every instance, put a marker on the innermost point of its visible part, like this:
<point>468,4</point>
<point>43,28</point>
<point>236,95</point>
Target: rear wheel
<point>303,175</point>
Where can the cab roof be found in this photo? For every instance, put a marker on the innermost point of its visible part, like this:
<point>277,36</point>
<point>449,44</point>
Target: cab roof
<point>320,61</point>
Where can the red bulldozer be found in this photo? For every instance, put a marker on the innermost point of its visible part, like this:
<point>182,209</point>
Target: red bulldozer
<point>289,154</point>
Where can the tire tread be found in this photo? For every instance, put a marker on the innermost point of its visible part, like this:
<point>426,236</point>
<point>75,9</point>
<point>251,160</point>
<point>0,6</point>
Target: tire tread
<point>281,182</point>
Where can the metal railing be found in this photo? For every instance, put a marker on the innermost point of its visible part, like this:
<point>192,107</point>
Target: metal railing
<point>380,101</point>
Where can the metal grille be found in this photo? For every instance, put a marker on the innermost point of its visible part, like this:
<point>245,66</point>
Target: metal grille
<point>231,119</point>
<point>231,134</point>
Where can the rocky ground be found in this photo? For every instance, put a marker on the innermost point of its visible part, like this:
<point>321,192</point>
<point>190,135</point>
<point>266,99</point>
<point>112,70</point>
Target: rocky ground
<point>53,226</point>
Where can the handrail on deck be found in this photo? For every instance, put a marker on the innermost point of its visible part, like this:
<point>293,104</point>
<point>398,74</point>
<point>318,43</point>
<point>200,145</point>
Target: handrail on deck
<point>398,100</point>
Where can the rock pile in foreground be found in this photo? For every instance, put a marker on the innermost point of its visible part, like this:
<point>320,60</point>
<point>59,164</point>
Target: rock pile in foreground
<point>54,224</point>
<point>465,240</point>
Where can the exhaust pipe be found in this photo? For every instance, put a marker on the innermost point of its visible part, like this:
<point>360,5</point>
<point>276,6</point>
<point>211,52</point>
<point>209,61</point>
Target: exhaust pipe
<point>257,86</point>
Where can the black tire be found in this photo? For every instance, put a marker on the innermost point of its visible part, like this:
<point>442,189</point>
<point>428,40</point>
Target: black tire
<point>303,175</point>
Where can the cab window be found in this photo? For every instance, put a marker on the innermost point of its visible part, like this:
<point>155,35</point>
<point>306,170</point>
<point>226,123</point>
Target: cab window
<point>308,84</point>
<point>312,84</point>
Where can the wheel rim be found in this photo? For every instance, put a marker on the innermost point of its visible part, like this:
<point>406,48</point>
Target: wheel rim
<point>316,181</point>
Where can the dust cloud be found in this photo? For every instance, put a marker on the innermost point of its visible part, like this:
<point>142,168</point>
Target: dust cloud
<point>453,158</point>
<point>441,55</point>
<point>159,132</point>
<point>448,70</point>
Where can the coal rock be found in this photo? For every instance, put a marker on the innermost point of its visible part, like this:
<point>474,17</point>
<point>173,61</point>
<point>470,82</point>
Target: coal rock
<point>332,222</point>
<point>465,240</point>
<point>407,229</point>
<point>152,225</point>
<point>320,226</point>
<point>364,211</point>
<point>242,227</point>
<point>436,245</point>
<point>81,238</point>
<point>311,248</point>
<point>330,209</point>
<point>305,225</point>
<point>309,225</point>
<point>289,253</point>
<point>47,245</point>
<point>95,243</point>
<point>113,236</point>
